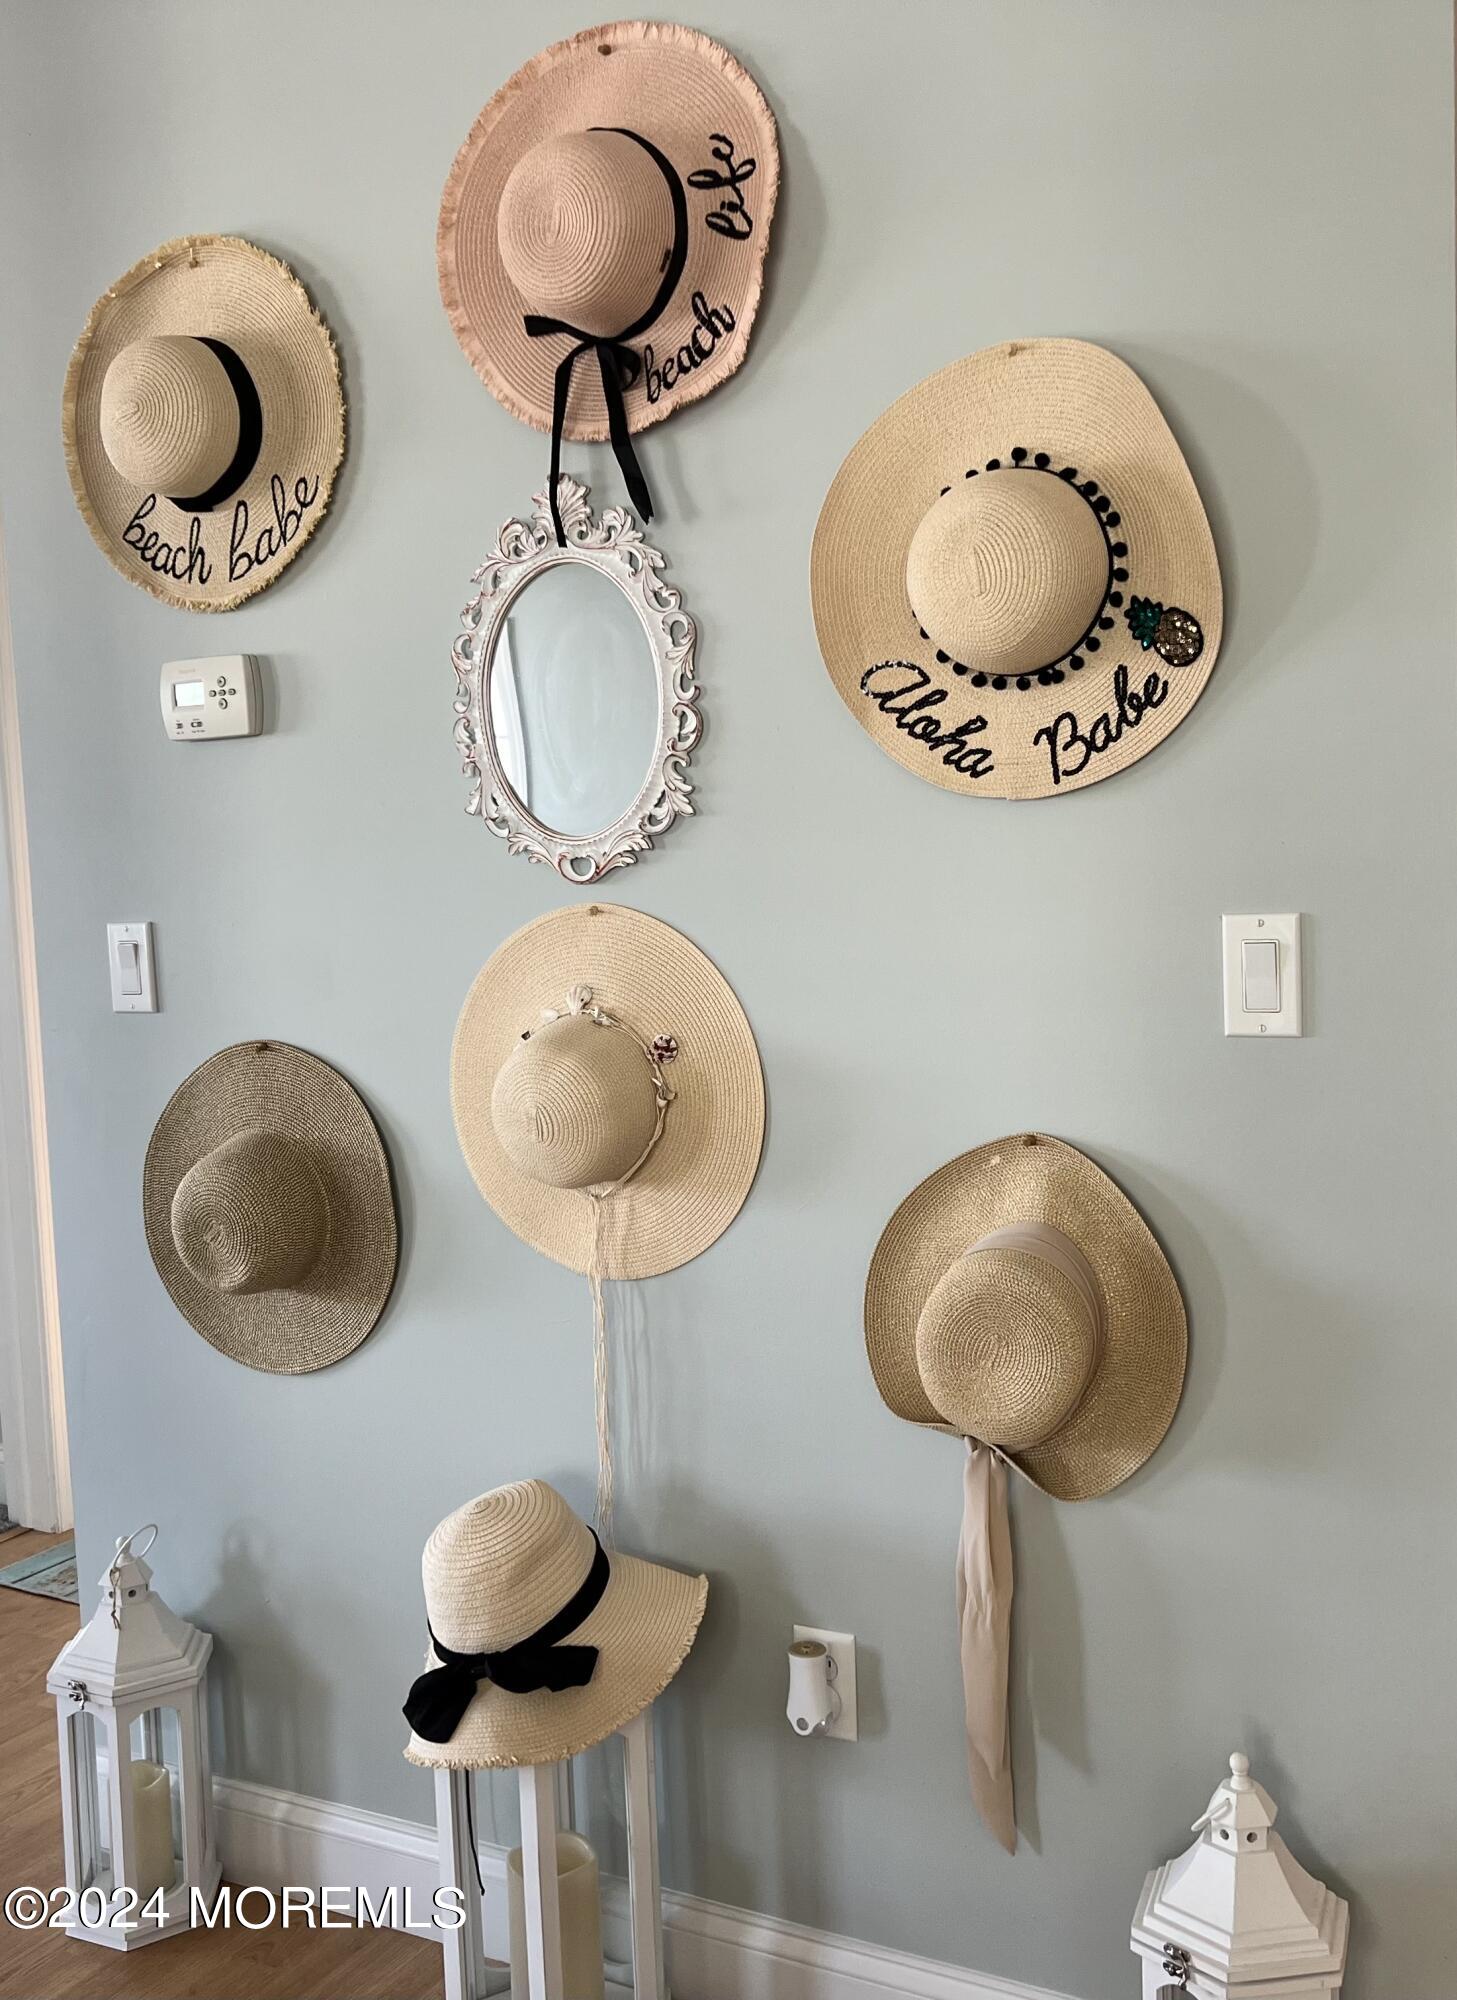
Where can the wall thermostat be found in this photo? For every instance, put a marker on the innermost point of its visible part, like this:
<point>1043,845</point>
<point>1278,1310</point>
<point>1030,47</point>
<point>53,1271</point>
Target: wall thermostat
<point>204,699</point>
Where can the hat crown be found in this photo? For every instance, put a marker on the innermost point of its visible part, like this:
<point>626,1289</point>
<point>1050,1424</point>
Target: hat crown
<point>575,1104</point>
<point>169,415</point>
<point>498,1568</point>
<point>1010,1337</point>
<point>251,1215</point>
<point>584,228</point>
<point>1005,572</point>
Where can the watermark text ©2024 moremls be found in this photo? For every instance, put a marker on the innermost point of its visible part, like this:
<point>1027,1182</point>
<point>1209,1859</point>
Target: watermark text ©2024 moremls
<point>251,1908</point>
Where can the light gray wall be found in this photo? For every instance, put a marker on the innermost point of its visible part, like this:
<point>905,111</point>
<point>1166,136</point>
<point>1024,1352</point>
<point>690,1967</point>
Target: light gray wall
<point>1254,205</point>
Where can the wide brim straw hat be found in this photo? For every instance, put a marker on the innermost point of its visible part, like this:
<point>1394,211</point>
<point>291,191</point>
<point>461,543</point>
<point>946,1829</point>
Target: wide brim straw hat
<point>1008,1349</point>
<point>267,1170</point>
<point>595,222</point>
<point>655,983</point>
<point>1015,587</point>
<point>207,372</point>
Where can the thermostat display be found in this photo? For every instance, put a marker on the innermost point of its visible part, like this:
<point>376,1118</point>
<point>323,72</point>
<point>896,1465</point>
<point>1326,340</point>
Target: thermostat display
<point>203,699</point>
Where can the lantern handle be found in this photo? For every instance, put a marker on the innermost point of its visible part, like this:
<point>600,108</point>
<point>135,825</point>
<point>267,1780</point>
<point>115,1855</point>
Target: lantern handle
<point>124,1544</point>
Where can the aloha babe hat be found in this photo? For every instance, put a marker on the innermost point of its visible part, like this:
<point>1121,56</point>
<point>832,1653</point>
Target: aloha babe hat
<point>542,1642</point>
<point>1015,588</point>
<point>1018,1300</point>
<point>268,1208</point>
<point>603,232</point>
<point>203,421</point>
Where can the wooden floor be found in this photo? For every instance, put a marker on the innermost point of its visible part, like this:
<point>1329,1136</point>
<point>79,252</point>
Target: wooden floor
<point>203,1965</point>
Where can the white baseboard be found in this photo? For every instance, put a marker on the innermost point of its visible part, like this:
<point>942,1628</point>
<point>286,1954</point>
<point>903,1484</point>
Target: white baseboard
<point>714,1952</point>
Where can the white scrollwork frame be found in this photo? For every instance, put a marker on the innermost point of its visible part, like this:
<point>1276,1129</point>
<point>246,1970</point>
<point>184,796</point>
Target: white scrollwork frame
<point>614,545</point>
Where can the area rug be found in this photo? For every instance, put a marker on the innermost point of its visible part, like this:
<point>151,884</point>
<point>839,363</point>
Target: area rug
<point>49,1573</point>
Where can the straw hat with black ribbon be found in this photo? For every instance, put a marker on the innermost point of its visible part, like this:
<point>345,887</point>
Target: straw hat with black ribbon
<point>610,207</point>
<point>542,1641</point>
<point>203,421</point>
<point>609,1101</point>
<point>1014,584</point>
<point>1017,1299</point>
<point>268,1208</point>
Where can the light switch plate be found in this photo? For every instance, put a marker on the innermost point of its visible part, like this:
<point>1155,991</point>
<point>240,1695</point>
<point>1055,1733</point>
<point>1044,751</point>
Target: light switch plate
<point>841,1649</point>
<point>1246,980</point>
<point>133,975</point>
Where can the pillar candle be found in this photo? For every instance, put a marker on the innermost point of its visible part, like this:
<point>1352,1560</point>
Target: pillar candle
<point>155,1866</point>
<point>581,1912</point>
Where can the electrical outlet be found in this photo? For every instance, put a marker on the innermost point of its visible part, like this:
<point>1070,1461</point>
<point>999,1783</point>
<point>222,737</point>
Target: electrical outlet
<point>841,1648</point>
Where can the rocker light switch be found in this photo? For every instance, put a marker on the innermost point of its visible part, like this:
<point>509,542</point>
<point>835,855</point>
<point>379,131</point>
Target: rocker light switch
<point>1262,975</point>
<point>129,957</point>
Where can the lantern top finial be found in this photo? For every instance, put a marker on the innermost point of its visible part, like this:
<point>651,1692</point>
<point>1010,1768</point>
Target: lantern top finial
<point>1239,1806</point>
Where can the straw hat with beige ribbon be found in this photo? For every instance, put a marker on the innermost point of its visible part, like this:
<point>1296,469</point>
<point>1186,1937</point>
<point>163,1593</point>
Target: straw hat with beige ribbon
<point>1017,1299</point>
<point>603,233</point>
<point>268,1208</point>
<point>1014,584</point>
<point>203,421</point>
<point>542,1642</point>
<point>609,1102</point>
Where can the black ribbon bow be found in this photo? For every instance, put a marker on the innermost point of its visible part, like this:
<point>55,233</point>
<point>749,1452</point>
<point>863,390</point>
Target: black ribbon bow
<point>438,1699</point>
<point>619,364</point>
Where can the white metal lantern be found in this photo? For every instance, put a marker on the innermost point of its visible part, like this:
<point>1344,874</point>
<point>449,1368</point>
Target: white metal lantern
<point>136,1784</point>
<point>546,1804</point>
<point>1236,1917</point>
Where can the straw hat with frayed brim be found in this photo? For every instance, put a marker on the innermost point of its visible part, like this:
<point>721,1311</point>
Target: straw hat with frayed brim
<point>1082,1347</point>
<point>203,421</point>
<point>1015,587</point>
<point>268,1208</point>
<point>550,210</point>
<point>497,1571</point>
<point>656,984</point>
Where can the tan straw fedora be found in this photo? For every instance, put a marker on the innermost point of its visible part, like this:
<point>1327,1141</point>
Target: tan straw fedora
<point>1015,588</point>
<point>203,421</point>
<point>542,1643</point>
<point>599,1053</point>
<point>268,1208</point>
<point>1018,1297</point>
<point>603,232</point>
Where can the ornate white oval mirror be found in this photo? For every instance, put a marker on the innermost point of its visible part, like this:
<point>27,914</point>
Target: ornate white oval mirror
<point>576,707</point>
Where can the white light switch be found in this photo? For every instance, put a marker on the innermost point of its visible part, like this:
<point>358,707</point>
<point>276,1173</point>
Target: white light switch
<point>129,956</point>
<point>1262,975</point>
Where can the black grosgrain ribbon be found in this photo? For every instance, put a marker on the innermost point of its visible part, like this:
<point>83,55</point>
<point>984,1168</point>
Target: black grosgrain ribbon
<point>619,364</point>
<point>250,431</point>
<point>439,1698</point>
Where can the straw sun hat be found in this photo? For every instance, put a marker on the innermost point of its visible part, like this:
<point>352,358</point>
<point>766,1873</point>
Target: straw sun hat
<point>268,1209</point>
<point>1015,588</point>
<point>203,421</point>
<point>603,232</point>
<point>599,1052</point>
<point>1017,1297</point>
<point>542,1643</point>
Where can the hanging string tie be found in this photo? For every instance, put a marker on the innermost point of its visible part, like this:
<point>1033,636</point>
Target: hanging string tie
<point>620,364</point>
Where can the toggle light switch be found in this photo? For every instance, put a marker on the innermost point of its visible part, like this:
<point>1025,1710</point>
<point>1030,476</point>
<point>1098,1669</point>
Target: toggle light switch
<point>1262,975</point>
<point>129,960</point>
<point>128,969</point>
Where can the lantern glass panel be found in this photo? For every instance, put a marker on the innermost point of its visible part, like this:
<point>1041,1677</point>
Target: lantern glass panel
<point>90,1761</point>
<point>154,1741</point>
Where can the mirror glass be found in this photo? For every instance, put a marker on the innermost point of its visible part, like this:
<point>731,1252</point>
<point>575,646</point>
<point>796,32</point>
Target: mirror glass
<point>573,691</point>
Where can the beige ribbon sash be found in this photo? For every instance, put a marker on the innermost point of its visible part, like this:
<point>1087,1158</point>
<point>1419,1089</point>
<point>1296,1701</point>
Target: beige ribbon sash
<point>984,1614</point>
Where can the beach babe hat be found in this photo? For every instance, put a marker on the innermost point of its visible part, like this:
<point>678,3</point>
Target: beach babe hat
<point>1017,1299</point>
<point>203,421</point>
<point>600,1053</point>
<point>542,1643</point>
<point>1015,588</point>
<point>268,1208</point>
<point>603,231</point>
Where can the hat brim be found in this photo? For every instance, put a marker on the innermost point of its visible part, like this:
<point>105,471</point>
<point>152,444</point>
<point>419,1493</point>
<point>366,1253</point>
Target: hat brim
<point>1085,409</point>
<point>330,1311</point>
<point>678,89</point>
<point>1033,1178</point>
<point>230,290</point>
<point>652,979</point>
<point>644,1626</point>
